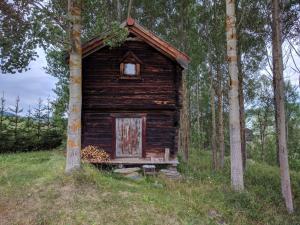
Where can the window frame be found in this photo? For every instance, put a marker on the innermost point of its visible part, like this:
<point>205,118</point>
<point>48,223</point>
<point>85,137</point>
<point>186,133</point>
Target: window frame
<point>130,58</point>
<point>131,69</point>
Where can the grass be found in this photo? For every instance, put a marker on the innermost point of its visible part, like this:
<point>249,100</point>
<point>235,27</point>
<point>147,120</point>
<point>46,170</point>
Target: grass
<point>35,190</point>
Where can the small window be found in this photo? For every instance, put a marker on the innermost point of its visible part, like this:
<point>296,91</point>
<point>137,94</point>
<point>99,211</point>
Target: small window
<point>130,69</point>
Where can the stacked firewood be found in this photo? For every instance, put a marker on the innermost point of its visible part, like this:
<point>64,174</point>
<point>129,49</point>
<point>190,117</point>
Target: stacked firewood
<point>93,153</point>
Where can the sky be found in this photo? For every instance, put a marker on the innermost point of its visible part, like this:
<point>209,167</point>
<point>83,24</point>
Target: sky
<point>29,86</point>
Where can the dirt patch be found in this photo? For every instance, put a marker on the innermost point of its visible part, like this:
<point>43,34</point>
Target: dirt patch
<point>19,211</point>
<point>36,205</point>
<point>125,194</point>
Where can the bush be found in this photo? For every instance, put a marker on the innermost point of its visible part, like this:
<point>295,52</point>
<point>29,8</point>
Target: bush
<point>50,139</point>
<point>28,141</point>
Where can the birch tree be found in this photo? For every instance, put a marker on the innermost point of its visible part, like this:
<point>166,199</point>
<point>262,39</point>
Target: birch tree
<point>184,131</point>
<point>280,119</point>
<point>237,179</point>
<point>75,99</point>
<point>221,144</point>
<point>213,122</point>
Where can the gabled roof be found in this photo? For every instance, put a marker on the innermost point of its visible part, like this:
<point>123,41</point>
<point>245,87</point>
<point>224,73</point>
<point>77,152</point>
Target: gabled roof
<point>146,36</point>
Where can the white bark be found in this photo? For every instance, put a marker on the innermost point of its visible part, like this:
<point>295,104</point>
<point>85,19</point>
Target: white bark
<point>119,11</point>
<point>213,123</point>
<point>221,144</point>
<point>279,106</point>
<point>75,101</point>
<point>184,119</point>
<point>237,179</point>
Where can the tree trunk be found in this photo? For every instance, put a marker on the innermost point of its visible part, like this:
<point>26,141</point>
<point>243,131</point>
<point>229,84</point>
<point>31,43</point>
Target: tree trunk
<point>119,11</point>
<point>279,106</point>
<point>263,147</point>
<point>16,122</point>
<point>198,113</point>
<point>75,101</point>
<point>213,124</point>
<point>242,109</point>
<point>221,144</point>
<point>129,9</point>
<point>237,179</point>
<point>184,119</point>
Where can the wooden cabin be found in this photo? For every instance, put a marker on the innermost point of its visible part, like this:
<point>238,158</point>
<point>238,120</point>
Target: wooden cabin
<point>132,97</point>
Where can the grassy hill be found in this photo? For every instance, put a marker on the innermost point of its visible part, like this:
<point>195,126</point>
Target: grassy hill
<point>35,190</point>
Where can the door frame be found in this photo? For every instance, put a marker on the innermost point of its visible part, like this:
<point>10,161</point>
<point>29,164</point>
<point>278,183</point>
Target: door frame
<point>143,116</point>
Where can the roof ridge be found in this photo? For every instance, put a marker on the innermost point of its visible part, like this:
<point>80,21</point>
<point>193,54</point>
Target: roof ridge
<point>149,37</point>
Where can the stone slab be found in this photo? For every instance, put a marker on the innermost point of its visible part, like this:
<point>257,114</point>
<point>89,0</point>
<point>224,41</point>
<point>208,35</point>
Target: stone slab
<point>125,171</point>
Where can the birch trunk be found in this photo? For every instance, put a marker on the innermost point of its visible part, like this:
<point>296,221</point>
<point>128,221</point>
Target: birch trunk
<point>198,112</point>
<point>184,119</point>
<point>184,114</point>
<point>221,144</point>
<point>213,124</point>
<point>237,179</point>
<point>279,106</point>
<point>119,11</point>
<point>129,9</point>
<point>75,101</point>
<point>242,108</point>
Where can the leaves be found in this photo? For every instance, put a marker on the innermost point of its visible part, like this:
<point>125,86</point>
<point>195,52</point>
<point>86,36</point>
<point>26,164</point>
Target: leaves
<point>116,36</point>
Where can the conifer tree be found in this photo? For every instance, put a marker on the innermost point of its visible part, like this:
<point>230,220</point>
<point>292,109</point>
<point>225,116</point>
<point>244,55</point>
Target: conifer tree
<point>39,117</point>
<point>2,111</point>
<point>16,119</point>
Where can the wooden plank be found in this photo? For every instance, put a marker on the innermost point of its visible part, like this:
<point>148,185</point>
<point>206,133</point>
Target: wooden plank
<point>128,137</point>
<point>134,161</point>
<point>155,98</point>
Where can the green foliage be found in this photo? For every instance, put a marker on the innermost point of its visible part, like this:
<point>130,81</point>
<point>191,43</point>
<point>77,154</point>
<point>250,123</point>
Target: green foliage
<point>262,146</point>
<point>196,27</point>
<point>116,36</point>
<point>15,21</point>
<point>25,26</point>
<point>37,130</point>
<point>50,139</point>
<point>293,125</point>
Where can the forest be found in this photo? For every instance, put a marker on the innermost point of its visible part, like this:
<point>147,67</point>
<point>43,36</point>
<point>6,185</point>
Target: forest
<point>38,129</point>
<point>241,99</point>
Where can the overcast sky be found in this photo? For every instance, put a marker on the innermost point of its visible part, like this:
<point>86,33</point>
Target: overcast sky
<point>30,85</point>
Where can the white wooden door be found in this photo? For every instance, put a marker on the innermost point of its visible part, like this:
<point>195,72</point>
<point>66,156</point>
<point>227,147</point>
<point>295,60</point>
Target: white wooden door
<point>128,137</point>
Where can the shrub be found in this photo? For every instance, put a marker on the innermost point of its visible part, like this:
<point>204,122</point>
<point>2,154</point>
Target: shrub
<point>51,138</point>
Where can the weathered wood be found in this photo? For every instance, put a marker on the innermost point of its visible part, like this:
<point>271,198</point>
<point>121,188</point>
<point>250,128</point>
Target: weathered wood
<point>128,137</point>
<point>137,32</point>
<point>135,161</point>
<point>155,98</point>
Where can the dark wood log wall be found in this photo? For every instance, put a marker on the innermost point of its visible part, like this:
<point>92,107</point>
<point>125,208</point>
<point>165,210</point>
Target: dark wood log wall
<point>157,94</point>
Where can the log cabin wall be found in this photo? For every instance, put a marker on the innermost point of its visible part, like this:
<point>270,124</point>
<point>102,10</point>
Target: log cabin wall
<point>157,94</point>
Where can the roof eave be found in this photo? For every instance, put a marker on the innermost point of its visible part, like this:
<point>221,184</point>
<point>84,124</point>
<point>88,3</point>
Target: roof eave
<point>159,44</point>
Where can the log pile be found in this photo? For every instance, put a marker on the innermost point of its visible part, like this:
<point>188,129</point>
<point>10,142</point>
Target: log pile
<point>93,153</point>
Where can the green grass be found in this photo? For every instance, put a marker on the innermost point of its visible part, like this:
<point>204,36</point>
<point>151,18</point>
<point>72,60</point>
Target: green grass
<point>35,190</point>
